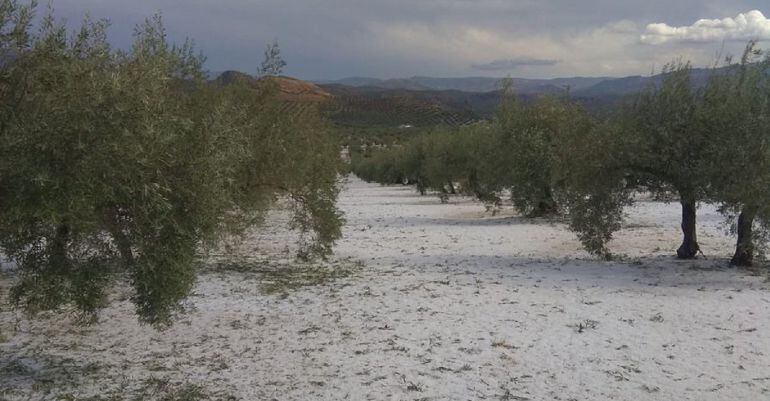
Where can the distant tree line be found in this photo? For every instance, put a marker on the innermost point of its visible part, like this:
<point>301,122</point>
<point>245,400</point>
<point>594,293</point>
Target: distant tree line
<point>128,164</point>
<point>709,144</point>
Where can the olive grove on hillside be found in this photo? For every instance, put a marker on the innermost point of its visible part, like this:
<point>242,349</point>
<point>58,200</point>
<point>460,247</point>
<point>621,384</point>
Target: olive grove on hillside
<point>700,144</point>
<point>129,164</point>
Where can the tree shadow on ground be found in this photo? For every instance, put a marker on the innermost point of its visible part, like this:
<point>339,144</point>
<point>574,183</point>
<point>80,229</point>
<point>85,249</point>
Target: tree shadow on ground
<point>625,273</point>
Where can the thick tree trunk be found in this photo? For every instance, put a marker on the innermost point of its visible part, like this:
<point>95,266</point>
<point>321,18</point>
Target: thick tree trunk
<point>121,240</point>
<point>59,256</point>
<point>744,249</point>
<point>689,247</point>
<point>420,186</point>
<point>546,206</point>
<point>124,246</point>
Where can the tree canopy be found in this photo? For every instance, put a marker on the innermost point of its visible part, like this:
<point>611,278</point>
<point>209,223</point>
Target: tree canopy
<point>549,156</point>
<point>129,164</point>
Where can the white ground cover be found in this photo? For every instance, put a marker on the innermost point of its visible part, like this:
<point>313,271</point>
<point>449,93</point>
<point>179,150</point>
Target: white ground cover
<point>446,302</point>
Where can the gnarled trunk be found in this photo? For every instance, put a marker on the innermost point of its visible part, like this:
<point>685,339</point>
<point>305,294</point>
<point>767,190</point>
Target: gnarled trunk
<point>546,206</point>
<point>421,186</point>
<point>59,255</point>
<point>744,249</point>
<point>122,242</point>
<point>689,247</point>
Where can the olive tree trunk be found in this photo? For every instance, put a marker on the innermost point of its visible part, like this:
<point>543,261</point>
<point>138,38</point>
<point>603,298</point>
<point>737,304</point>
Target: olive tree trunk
<point>744,249</point>
<point>59,256</point>
<point>689,247</point>
<point>546,206</point>
<point>122,242</point>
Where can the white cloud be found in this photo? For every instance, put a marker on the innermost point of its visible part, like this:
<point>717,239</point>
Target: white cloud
<point>744,27</point>
<point>396,38</point>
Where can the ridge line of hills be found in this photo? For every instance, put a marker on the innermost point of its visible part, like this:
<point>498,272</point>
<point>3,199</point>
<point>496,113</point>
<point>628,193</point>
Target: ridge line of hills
<point>426,101</point>
<point>579,86</point>
<point>467,84</point>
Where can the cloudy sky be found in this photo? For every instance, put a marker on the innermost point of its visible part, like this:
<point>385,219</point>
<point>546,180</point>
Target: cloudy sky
<point>329,39</point>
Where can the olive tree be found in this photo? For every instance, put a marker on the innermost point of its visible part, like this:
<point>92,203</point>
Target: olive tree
<point>594,187</point>
<point>128,164</point>
<point>734,115</point>
<point>665,150</point>
<point>527,149</point>
<point>443,159</point>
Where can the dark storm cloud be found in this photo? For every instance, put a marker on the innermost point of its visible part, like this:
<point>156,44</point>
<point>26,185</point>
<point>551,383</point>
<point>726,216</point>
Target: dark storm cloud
<point>336,38</point>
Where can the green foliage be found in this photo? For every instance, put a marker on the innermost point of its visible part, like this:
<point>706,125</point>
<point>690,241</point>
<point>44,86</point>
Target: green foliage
<point>664,148</point>
<point>128,162</point>
<point>733,116</point>
<point>653,144</point>
<point>546,156</point>
<point>444,160</point>
<point>529,146</point>
<point>593,186</point>
<point>702,144</point>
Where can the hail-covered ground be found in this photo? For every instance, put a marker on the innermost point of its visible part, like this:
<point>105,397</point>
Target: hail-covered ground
<point>426,301</point>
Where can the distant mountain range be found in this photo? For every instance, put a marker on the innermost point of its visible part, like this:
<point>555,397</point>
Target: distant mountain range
<point>578,86</point>
<point>425,101</point>
<point>471,84</point>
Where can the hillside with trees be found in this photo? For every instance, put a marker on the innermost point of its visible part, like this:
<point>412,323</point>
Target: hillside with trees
<point>127,166</point>
<point>170,234</point>
<point>677,138</point>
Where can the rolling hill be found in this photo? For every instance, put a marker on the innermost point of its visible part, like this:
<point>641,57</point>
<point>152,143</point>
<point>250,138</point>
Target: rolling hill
<point>424,101</point>
<point>366,106</point>
<point>472,84</point>
<point>289,89</point>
